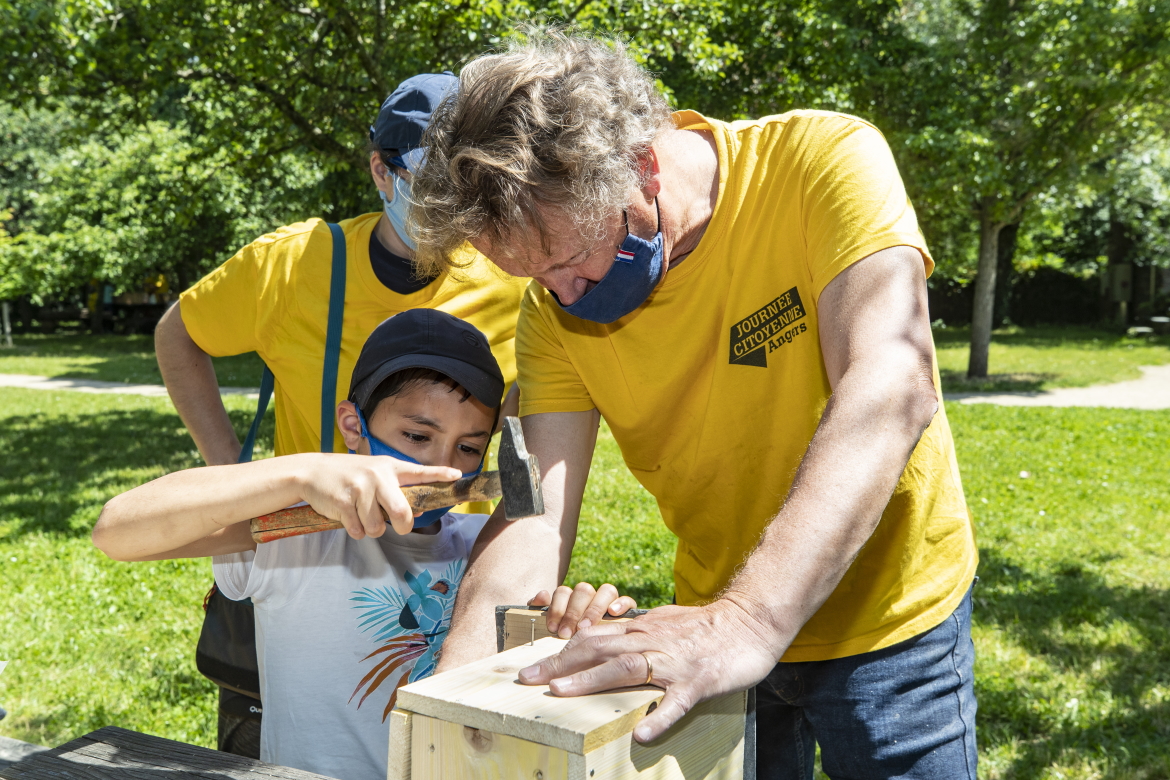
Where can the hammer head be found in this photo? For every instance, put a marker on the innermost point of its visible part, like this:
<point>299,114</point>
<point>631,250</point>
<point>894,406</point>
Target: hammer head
<point>519,474</point>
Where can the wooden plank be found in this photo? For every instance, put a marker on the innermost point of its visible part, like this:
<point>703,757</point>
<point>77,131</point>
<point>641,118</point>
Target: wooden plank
<point>398,760</point>
<point>707,744</point>
<point>487,695</point>
<point>443,750</point>
<point>522,626</point>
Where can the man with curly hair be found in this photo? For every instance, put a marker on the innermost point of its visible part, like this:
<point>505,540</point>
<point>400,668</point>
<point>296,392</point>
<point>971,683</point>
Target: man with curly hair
<point>745,305</point>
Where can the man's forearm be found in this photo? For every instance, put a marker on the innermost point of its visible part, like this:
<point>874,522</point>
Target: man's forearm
<point>843,485</point>
<point>883,399</point>
<point>190,378</point>
<point>502,546</point>
<point>512,562</point>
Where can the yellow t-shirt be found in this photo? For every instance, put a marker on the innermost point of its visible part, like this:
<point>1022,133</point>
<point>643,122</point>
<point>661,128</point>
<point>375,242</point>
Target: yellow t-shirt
<point>714,388</point>
<point>272,297</point>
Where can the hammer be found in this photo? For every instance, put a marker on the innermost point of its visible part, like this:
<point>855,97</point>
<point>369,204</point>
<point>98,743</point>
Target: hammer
<point>518,481</point>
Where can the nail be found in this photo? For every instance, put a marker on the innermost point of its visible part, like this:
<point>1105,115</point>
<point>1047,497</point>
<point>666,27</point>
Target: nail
<point>642,733</point>
<point>585,623</point>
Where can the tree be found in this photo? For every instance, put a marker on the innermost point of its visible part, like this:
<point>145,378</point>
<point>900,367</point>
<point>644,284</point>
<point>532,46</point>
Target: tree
<point>1004,99</point>
<point>256,88</point>
<point>121,208</point>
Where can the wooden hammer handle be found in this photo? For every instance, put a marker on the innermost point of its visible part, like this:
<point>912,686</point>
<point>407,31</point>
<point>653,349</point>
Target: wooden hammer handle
<point>299,520</point>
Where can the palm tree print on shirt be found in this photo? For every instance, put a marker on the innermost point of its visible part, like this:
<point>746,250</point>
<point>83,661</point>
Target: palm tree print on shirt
<point>411,628</point>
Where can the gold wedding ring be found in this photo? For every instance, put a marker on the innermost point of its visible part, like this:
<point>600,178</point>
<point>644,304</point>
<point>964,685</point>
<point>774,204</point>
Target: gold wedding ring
<point>649,669</point>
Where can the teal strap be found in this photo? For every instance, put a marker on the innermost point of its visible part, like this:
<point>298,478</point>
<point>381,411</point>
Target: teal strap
<point>332,357</point>
<point>333,338</point>
<point>267,382</point>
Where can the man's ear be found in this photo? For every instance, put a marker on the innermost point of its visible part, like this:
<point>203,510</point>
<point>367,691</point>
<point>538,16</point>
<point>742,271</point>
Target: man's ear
<point>649,173</point>
<point>350,426</point>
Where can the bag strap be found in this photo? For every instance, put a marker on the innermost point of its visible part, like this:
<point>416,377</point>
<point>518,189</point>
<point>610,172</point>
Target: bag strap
<point>267,383</point>
<point>332,357</point>
<point>333,338</point>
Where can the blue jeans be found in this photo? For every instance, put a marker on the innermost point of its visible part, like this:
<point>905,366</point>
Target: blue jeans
<point>906,711</point>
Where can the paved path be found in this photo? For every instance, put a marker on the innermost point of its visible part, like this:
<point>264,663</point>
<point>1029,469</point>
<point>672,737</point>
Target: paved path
<point>30,382</point>
<point>1152,391</point>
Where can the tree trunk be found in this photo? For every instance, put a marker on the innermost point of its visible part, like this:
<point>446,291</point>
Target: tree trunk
<point>984,292</point>
<point>7,325</point>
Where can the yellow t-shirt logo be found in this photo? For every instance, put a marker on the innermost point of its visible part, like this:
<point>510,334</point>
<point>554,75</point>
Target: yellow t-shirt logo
<point>768,327</point>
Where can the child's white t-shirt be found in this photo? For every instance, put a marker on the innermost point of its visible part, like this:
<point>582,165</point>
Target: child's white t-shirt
<point>339,623</point>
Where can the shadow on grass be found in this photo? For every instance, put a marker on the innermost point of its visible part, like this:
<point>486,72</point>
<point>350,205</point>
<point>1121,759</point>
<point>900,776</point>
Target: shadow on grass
<point>121,359</point>
<point>1050,336</point>
<point>58,470</point>
<point>957,382</point>
<point>1066,618</point>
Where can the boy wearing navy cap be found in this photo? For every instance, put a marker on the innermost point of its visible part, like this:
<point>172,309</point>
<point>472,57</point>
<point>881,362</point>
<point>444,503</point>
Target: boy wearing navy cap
<point>344,617</point>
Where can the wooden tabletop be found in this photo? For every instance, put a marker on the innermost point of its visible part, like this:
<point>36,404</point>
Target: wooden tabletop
<point>113,753</point>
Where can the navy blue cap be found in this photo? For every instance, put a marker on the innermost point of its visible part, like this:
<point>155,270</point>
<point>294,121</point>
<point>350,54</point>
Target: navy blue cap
<point>428,338</point>
<point>407,112</point>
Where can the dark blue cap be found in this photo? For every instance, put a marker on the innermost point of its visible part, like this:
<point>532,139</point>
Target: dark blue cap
<point>407,112</point>
<point>428,338</point>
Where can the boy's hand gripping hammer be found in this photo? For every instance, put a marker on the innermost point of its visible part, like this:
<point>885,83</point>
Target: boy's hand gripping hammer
<point>517,481</point>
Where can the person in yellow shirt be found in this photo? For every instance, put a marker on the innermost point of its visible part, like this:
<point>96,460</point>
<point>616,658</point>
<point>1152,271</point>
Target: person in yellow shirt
<point>745,305</point>
<point>285,296</point>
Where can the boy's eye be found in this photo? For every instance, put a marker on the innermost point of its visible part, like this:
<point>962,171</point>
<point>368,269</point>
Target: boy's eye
<point>415,438</point>
<point>467,448</point>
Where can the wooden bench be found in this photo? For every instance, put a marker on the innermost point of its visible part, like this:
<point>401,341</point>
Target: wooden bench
<point>112,753</point>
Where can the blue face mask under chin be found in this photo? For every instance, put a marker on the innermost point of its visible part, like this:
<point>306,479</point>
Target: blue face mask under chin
<point>635,273</point>
<point>379,447</point>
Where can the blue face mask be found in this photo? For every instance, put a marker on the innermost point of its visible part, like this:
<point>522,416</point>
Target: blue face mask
<point>396,209</point>
<point>635,273</point>
<point>398,206</point>
<point>379,447</point>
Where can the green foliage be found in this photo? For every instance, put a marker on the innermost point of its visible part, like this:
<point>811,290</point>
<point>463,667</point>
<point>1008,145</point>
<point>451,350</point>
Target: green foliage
<point>121,207</point>
<point>1011,95</point>
<point>1006,100</point>
<point>1121,213</point>
<point>156,136</point>
<point>251,114</point>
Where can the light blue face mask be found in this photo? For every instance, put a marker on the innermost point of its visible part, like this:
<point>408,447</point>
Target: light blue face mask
<point>635,273</point>
<point>379,447</point>
<point>398,207</point>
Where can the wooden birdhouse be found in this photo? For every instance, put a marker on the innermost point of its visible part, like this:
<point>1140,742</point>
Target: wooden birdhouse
<point>478,721</point>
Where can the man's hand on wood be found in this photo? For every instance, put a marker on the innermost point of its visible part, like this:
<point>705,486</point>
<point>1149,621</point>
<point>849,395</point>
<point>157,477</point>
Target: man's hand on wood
<point>696,653</point>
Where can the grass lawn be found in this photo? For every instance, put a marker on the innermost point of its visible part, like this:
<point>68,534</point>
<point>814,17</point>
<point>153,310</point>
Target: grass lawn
<point>1042,358</point>
<point>1072,620</point>
<point>110,359</point>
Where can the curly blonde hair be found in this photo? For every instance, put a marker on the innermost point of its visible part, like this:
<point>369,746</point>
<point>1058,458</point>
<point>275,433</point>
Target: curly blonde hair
<point>557,121</point>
